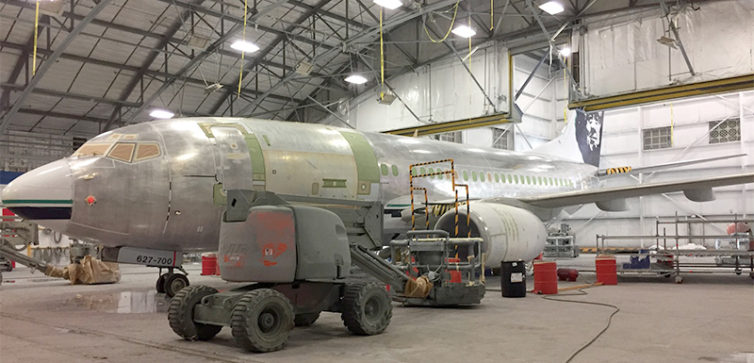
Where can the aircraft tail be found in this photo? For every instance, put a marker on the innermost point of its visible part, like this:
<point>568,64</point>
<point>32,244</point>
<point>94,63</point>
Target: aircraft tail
<point>581,140</point>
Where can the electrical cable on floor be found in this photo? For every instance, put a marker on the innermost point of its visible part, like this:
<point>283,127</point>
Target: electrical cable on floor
<point>609,319</point>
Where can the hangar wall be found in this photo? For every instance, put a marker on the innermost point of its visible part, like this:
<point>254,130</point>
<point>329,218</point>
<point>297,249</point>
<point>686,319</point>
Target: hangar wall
<point>692,120</point>
<point>622,53</point>
<point>441,91</point>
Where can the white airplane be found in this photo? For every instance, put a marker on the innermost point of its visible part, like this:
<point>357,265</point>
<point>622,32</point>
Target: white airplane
<point>153,190</point>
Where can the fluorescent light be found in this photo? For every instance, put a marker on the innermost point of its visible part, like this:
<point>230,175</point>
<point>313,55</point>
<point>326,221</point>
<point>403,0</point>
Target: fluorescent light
<point>565,51</point>
<point>552,7</point>
<point>244,46</point>
<point>161,114</point>
<point>389,4</point>
<point>464,31</point>
<point>356,79</point>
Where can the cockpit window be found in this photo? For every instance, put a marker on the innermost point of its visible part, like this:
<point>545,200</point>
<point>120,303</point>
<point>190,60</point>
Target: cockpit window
<point>92,149</point>
<point>122,151</point>
<point>147,151</point>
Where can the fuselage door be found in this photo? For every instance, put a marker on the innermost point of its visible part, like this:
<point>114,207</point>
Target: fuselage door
<point>235,170</point>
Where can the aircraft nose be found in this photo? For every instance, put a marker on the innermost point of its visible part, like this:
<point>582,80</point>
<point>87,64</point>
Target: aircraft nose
<point>43,195</point>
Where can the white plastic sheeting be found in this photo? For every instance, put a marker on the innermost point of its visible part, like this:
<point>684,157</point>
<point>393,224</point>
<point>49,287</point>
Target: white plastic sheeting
<point>623,55</point>
<point>441,91</point>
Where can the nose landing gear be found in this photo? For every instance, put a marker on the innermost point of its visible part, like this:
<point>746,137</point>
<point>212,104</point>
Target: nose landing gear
<point>171,282</point>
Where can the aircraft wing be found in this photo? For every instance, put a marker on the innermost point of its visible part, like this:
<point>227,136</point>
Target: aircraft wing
<point>611,198</point>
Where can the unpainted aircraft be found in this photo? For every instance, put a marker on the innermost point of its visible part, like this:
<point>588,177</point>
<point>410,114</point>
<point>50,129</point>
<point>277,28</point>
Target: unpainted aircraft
<point>157,189</point>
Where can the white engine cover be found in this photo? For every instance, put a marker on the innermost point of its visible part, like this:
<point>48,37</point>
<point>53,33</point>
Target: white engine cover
<point>509,233</point>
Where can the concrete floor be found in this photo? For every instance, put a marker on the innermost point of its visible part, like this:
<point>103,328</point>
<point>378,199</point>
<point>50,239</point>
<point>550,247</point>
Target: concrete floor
<point>707,318</point>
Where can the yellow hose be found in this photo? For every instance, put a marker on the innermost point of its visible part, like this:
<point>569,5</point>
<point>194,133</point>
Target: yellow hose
<point>243,36</point>
<point>36,32</point>
<point>452,21</point>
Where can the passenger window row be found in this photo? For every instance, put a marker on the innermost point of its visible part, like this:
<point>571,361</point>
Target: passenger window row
<point>478,176</point>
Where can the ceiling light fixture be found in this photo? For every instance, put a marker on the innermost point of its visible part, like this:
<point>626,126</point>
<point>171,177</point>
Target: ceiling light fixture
<point>565,51</point>
<point>161,114</point>
<point>356,79</point>
<point>464,31</point>
<point>552,7</point>
<point>389,4</point>
<point>244,46</point>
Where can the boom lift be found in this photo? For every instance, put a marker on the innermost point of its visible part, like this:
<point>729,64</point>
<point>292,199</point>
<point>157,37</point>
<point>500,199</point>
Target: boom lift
<point>297,259</point>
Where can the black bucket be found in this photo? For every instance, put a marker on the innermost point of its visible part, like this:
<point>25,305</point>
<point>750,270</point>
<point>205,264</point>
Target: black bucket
<point>513,279</point>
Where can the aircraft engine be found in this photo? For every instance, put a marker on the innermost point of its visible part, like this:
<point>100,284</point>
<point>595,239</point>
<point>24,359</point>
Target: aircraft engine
<point>509,233</point>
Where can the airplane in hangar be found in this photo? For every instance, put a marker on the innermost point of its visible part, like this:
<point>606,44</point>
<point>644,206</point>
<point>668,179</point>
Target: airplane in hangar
<point>153,190</point>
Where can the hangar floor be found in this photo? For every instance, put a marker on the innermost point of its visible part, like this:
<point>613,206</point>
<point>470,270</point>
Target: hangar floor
<point>707,318</point>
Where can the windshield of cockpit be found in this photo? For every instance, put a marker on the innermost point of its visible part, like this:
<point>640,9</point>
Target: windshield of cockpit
<point>125,149</point>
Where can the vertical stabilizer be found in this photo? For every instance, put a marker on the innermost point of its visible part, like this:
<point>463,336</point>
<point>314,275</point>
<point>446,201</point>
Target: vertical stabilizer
<point>581,140</point>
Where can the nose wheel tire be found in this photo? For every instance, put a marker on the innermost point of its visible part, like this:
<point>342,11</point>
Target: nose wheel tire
<point>305,319</point>
<point>174,283</point>
<point>367,308</point>
<point>181,314</point>
<point>261,321</point>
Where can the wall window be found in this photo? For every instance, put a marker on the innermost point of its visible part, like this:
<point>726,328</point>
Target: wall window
<point>728,131</point>
<point>657,138</point>
<point>395,170</point>
<point>455,136</point>
<point>384,169</point>
<point>501,139</point>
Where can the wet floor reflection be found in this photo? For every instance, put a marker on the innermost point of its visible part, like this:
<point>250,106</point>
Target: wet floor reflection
<point>125,302</point>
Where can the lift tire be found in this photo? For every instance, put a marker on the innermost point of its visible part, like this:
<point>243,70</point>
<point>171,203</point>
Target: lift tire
<point>305,319</point>
<point>261,321</point>
<point>175,283</point>
<point>160,285</point>
<point>181,314</point>
<point>367,308</point>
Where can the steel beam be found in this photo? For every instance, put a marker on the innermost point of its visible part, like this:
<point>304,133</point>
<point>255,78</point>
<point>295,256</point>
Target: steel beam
<point>363,36</point>
<point>442,127</point>
<point>198,59</point>
<point>126,92</point>
<point>61,115</point>
<point>531,75</point>
<point>680,46</point>
<point>465,66</point>
<point>732,84</point>
<point>50,61</point>
<point>238,21</point>
<point>267,50</point>
<point>11,87</point>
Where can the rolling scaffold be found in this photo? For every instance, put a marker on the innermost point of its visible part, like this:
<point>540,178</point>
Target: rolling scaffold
<point>738,255</point>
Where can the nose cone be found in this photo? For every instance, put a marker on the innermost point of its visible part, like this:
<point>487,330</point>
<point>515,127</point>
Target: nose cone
<point>43,195</point>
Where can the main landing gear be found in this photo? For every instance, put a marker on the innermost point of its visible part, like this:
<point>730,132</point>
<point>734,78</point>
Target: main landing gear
<point>171,282</point>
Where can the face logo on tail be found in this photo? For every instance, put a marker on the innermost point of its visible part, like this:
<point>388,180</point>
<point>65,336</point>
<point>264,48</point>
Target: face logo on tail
<point>589,135</point>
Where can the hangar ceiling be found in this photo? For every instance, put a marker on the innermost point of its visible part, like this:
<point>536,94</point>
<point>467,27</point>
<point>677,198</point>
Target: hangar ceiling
<point>103,64</point>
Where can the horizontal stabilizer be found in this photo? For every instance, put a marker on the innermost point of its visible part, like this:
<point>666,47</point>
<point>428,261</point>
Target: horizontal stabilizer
<point>647,169</point>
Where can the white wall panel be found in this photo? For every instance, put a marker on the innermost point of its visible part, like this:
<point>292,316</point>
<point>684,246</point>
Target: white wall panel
<point>441,91</point>
<point>625,56</point>
<point>622,146</point>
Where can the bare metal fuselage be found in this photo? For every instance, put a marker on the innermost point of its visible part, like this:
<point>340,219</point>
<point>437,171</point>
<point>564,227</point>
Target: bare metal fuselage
<point>174,200</point>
